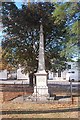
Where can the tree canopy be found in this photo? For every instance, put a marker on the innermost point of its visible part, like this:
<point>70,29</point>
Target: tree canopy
<point>70,12</point>
<point>21,26</point>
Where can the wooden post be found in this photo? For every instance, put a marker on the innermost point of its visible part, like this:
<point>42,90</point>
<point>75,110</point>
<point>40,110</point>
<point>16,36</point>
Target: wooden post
<point>71,91</point>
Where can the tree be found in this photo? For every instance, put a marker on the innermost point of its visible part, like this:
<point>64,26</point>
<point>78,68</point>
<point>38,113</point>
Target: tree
<point>69,12</point>
<point>22,35</point>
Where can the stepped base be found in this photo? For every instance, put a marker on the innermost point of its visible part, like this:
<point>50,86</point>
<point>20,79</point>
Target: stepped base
<point>34,98</point>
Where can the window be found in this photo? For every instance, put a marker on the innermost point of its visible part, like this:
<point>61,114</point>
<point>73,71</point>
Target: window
<point>69,72</point>
<point>54,75</point>
<point>69,66</point>
<point>73,72</point>
<point>59,73</point>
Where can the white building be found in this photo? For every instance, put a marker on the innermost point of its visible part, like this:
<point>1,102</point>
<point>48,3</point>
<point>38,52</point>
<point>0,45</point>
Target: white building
<point>21,75</point>
<point>3,74</point>
<point>71,73</point>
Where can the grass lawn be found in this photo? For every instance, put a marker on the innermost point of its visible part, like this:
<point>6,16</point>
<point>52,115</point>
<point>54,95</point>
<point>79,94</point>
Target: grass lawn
<point>56,109</point>
<point>39,110</point>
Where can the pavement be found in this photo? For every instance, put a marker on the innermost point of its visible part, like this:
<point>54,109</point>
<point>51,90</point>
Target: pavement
<point>14,82</point>
<point>62,82</point>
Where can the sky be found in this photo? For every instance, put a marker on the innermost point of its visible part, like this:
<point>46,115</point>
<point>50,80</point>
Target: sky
<point>47,0</point>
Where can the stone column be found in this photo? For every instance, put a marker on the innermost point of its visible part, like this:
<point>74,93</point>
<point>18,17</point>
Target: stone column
<point>41,88</point>
<point>41,63</point>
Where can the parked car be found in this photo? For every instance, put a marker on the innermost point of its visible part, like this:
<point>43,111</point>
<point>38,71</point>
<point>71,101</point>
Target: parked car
<point>72,75</point>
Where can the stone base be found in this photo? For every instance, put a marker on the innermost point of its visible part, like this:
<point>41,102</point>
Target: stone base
<point>41,91</point>
<point>33,98</point>
<point>41,88</point>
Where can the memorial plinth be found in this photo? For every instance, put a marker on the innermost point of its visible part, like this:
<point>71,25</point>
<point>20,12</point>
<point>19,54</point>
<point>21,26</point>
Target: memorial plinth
<point>41,88</point>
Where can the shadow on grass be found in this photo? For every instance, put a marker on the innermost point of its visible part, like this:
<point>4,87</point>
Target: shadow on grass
<point>66,96</point>
<point>41,112</point>
<point>40,119</point>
